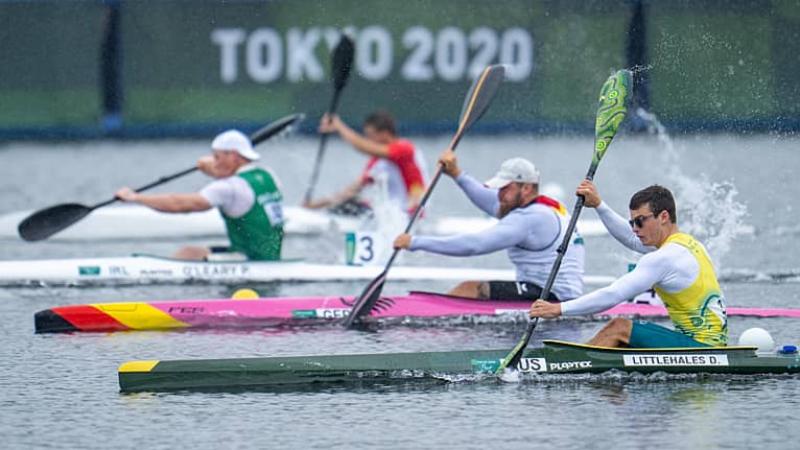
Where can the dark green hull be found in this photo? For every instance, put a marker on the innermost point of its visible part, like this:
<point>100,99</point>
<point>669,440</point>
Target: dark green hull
<point>553,357</point>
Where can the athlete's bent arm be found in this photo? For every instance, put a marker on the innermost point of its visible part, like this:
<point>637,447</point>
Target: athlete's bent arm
<point>621,230</point>
<point>481,196</point>
<point>334,123</point>
<point>350,191</point>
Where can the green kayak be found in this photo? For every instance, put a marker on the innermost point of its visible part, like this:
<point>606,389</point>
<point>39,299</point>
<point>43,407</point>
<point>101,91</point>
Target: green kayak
<point>554,357</point>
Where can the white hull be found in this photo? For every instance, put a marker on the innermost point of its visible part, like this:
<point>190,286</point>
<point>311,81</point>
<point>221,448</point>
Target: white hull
<point>138,222</point>
<point>144,269</point>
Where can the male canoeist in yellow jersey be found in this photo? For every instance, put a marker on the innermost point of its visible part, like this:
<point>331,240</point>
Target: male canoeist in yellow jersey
<point>248,197</point>
<point>392,159</point>
<point>531,228</point>
<point>675,264</point>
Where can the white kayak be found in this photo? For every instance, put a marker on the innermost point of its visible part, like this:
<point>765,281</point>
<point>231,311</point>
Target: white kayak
<point>138,222</point>
<point>152,269</point>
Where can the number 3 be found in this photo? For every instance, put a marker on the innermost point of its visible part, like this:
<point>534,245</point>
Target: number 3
<point>366,246</point>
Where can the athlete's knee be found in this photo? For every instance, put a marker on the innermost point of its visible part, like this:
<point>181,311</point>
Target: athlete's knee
<point>483,290</point>
<point>192,253</point>
<point>469,289</point>
<point>620,326</point>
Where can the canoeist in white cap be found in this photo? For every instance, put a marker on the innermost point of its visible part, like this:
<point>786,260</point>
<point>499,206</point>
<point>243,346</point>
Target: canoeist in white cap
<point>248,197</point>
<point>676,265</point>
<point>391,159</point>
<point>531,227</point>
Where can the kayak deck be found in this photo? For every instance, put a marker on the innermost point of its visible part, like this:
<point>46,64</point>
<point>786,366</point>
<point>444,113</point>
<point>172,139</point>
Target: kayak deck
<point>553,357</point>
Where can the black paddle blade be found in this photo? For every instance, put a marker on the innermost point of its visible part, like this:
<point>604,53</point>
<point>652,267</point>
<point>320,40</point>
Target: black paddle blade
<point>282,125</point>
<point>49,221</point>
<point>342,62</point>
<point>480,95</point>
<point>366,301</point>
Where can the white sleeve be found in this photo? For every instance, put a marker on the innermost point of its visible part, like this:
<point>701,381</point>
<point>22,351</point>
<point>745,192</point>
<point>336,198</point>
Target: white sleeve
<point>218,193</point>
<point>232,195</point>
<point>650,270</point>
<point>481,196</point>
<point>620,229</point>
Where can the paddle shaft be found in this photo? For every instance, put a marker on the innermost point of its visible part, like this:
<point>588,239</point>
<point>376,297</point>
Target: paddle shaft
<point>377,284</point>
<point>323,141</point>
<point>256,138</point>
<point>478,99</point>
<point>561,251</point>
<point>453,144</point>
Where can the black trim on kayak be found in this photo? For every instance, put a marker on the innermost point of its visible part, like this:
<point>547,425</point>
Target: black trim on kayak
<point>48,321</point>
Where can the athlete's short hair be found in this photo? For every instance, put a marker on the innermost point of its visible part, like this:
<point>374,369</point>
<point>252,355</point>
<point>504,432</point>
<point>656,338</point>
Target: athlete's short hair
<point>381,120</point>
<point>658,198</point>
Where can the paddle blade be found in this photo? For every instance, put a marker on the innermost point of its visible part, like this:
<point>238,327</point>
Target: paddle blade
<point>342,62</point>
<point>611,110</point>
<point>47,222</point>
<point>363,304</point>
<point>282,125</point>
<point>480,96</point>
<point>513,357</point>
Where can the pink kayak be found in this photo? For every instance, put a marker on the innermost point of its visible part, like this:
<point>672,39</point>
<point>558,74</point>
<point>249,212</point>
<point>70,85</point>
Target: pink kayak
<point>164,315</point>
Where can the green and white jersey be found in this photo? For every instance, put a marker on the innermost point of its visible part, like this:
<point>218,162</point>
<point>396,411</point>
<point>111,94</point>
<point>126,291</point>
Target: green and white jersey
<point>251,205</point>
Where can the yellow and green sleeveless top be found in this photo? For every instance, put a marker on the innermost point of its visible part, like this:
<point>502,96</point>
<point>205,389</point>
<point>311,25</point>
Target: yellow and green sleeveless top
<point>259,233</point>
<point>699,310</point>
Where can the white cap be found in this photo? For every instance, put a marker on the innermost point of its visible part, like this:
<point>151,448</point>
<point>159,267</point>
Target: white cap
<point>235,141</point>
<point>514,170</point>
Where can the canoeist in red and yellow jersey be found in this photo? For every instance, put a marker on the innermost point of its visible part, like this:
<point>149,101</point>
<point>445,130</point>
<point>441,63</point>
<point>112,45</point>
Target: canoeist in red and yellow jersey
<point>393,160</point>
<point>675,264</point>
<point>531,227</point>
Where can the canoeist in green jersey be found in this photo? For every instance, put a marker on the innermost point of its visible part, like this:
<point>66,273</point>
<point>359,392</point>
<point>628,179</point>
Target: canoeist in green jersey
<point>248,197</point>
<point>675,264</point>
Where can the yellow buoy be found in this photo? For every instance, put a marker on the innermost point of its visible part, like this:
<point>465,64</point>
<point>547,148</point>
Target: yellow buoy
<point>245,294</point>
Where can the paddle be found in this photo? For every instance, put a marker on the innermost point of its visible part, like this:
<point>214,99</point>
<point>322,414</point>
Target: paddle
<point>46,222</point>
<point>476,103</point>
<point>611,112</point>
<point>341,63</point>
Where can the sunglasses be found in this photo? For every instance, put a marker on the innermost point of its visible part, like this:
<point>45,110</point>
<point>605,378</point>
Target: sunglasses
<point>639,221</point>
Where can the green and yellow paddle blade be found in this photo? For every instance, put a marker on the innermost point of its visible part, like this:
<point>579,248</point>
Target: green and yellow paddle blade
<point>611,111</point>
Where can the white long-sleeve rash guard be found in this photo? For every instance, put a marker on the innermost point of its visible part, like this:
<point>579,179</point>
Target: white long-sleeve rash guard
<point>671,267</point>
<point>530,235</point>
<point>535,229</point>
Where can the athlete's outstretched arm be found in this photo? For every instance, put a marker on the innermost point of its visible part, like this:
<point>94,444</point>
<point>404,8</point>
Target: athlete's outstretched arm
<point>650,270</point>
<point>172,203</point>
<point>508,232</point>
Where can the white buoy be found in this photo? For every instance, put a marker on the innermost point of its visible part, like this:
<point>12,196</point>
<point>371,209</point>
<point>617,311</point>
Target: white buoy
<point>757,337</point>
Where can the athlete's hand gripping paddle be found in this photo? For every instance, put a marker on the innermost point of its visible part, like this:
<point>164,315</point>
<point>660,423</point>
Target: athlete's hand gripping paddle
<point>611,111</point>
<point>46,222</point>
<point>476,103</point>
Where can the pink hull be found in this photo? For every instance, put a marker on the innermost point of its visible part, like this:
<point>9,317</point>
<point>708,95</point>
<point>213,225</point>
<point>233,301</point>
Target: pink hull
<point>415,304</point>
<point>296,310</point>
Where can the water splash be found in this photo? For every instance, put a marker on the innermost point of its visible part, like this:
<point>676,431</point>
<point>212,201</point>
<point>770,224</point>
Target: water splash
<point>707,209</point>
